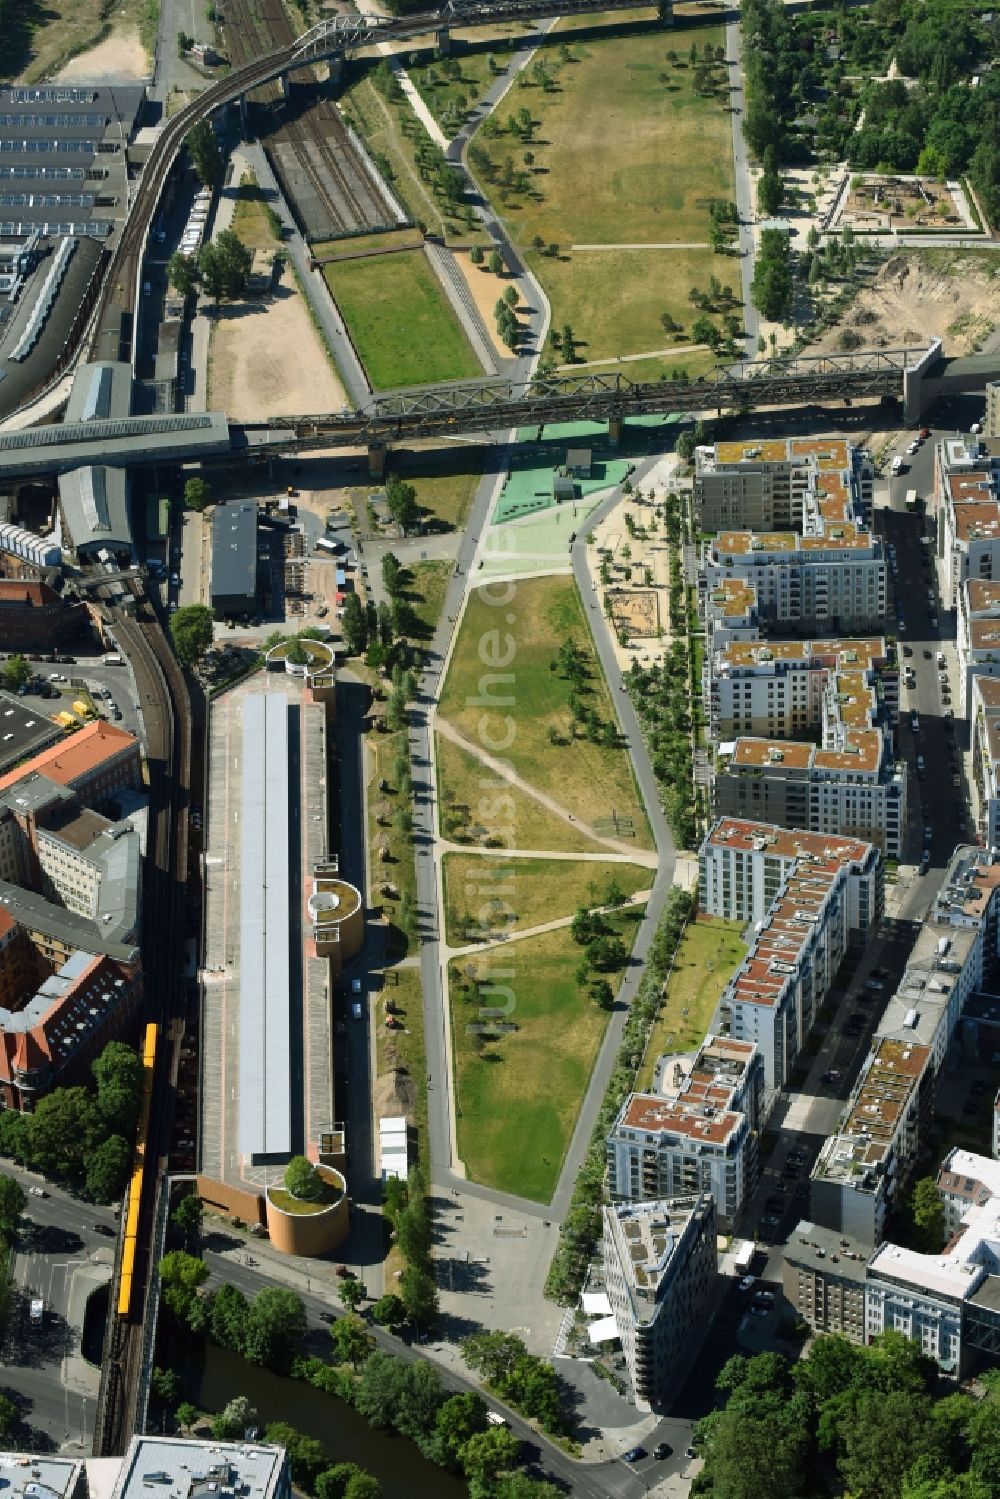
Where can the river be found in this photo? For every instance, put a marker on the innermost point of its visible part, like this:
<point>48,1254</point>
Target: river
<point>347,1437</point>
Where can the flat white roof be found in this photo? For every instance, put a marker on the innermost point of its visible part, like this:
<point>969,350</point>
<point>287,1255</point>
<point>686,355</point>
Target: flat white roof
<point>265,1114</point>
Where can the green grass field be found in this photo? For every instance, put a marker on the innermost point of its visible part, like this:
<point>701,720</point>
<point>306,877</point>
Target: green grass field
<point>652,151</point>
<point>425,590</point>
<point>485,896</point>
<point>471,796</point>
<point>518,1097</point>
<point>708,956</point>
<point>527,623</point>
<point>401,323</point>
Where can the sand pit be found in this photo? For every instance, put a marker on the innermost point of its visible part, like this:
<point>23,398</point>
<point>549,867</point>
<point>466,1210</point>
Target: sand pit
<point>925,294</point>
<point>486,291</point>
<point>267,360</point>
<point>118,59</point>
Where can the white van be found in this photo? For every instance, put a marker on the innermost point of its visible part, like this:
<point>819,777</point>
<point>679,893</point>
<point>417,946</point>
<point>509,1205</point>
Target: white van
<point>897,465</point>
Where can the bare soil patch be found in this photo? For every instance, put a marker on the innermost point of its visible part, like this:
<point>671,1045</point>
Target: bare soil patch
<point>924,294</point>
<point>486,291</point>
<point>267,359</point>
<point>120,57</point>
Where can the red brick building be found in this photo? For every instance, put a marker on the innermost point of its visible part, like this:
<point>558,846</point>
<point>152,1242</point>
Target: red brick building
<point>33,617</point>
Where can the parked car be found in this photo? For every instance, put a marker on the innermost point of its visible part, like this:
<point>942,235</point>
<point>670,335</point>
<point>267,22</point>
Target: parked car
<point>634,1454</point>
<point>356,1011</point>
<point>925,863</point>
<point>770,1220</point>
<point>831,1077</point>
<point>37,1192</point>
<point>662,1450</point>
<point>874,985</point>
<point>746,1283</point>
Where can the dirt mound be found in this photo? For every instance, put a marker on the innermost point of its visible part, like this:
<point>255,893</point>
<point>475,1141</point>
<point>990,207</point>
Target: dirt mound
<point>924,294</point>
<point>395,1093</point>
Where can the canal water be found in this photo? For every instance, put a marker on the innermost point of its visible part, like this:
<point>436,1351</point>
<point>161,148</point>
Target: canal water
<point>347,1437</point>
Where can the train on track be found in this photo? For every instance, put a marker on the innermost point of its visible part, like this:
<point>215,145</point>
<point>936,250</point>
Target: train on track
<point>133,1196</point>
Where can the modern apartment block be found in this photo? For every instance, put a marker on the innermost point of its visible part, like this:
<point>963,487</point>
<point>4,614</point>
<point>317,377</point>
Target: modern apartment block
<point>660,1265</point>
<point>977,635</point>
<point>785,689</point>
<point>776,484</point>
<point>992,423</point>
<point>743,866</point>
<point>699,1135</point>
<point>984,728</point>
<point>967,500</point>
<point>965,1182</point>
<point>816,585</point>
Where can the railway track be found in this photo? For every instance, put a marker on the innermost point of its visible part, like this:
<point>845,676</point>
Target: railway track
<point>317,138</point>
<point>166,714</point>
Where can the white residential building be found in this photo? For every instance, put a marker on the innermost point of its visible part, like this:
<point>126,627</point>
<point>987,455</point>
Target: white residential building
<point>743,866</point>
<point>779,689</point>
<point>977,635</point>
<point>984,724</point>
<point>660,1267</point>
<point>699,1135</point>
<point>968,513</point>
<point>784,483</point>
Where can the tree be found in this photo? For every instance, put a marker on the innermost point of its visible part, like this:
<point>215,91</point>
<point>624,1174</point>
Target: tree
<point>401,499</point>
<point>458,1419</point>
<point>704,331</point>
<point>476,255</point>
<point>770,193</point>
<point>669,323</point>
<point>602,994</point>
<point>927,1211</point>
<point>607,954</point>
<point>187,1415</point>
<point>197,494</point>
<point>12,1201</point>
<point>234,1420</point>
<point>9,1418</point>
<point>191,632</point>
<point>16,673</point>
<point>332,1482</point>
<point>487,1453</point>
<point>63,1131</point>
<point>203,145</point>
<point>306,1456</point>
<point>352,1293</point>
<point>276,1329</point>
<point>227,1318</point>
<point>303,1180</point>
<point>496,262</point>
<point>392,574</point>
<point>14,1131</point>
<point>181,1275</point>
<point>187,1216</point>
<point>224,265</point>
<point>389,1311</point>
<point>362,1485</point>
<point>419,1297</point>
<point>353,626</point>
<point>182,273</point>
<point>166,1385</point>
<point>107,1168</point>
<point>510,296</point>
<point>352,1342</point>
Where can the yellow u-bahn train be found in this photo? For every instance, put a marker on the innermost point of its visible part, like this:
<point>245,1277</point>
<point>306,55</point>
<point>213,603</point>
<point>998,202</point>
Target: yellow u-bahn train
<point>133,1197</point>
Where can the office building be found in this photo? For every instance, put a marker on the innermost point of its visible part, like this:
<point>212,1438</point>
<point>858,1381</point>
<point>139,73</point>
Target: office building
<point>699,1135</point>
<point>96,762</point>
<point>33,617</point>
<point>660,1266</point>
<point>823,1279</point>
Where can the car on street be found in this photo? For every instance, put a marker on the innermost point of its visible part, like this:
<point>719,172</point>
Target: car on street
<point>746,1283</point>
<point>37,1192</point>
<point>356,1011</point>
<point>925,863</point>
<point>355,986</point>
<point>914,723</point>
<point>831,1077</point>
<point>662,1450</point>
<point>874,985</point>
<point>102,1228</point>
<point>770,1220</point>
<point>907,650</point>
<point>634,1454</point>
<point>921,767</point>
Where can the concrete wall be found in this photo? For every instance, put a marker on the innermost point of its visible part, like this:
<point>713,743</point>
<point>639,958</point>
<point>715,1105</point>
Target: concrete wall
<point>233,1201</point>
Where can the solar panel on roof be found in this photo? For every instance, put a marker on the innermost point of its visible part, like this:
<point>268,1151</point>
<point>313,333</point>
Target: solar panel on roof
<point>53,95</point>
<point>52,121</point>
<point>101,431</point>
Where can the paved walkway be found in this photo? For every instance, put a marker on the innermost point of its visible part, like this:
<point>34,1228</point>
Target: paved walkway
<point>502,769</point>
<point>518,934</point>
<point>657,245</point>
<point>642,857</point>
<point>744,186</point>
<point>589,364</point>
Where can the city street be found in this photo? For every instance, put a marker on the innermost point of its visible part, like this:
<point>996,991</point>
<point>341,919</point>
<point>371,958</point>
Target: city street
<point>66,1250</point>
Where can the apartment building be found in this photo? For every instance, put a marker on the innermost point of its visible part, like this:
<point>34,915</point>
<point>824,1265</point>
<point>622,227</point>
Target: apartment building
<point>977,634</point>
<point>823,1278</point>
<point>966,491</point>
<point>861,1169</point>
<point>992,423</point>
<point>95,763</point>
<point>984,727</point>
<point>660,1266</point>
<point>699,1135</point>
<point>965,1182</point>
<point>785,689</point>
<point>730,612</point>
<point>774,484</point>
<point>825,584</point>
<point>744,865</point>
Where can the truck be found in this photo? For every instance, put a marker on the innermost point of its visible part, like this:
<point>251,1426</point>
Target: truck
<point>112,659</point>
<point>37,1311</point>
<point>911,500</point>
<point>897,465</point>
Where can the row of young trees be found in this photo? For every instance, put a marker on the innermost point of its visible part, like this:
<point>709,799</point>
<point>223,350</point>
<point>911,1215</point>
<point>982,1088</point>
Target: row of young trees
<point>221,268</point>
<point>581,1228</point>
<point>83,1135</point>
<point>865,1422</point>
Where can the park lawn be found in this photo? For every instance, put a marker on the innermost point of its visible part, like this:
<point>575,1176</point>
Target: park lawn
<point>627,123</point>
<point>646,371</point>
<point>517,1098</point>
<point>613,299</point>
<point>388,130</point>
<point>530,702</point>
<point>709,954</point>
<point>528,892</point>
<point>470,793</point>
<point>426,585</point>
<point>442,94</point>
<point>398,868</point>
<point>402,325</point>
<point>250,220</point>
<point>444,499</point>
